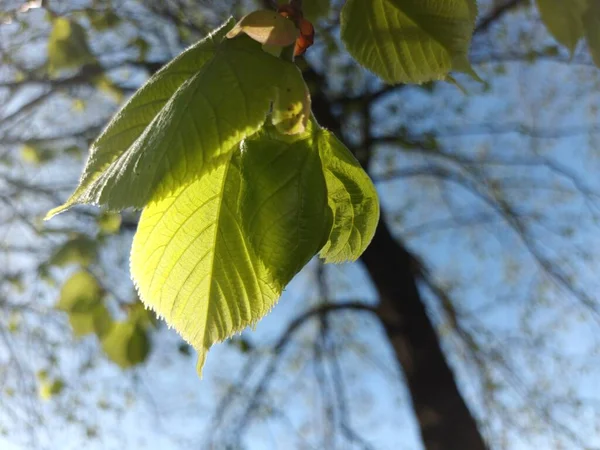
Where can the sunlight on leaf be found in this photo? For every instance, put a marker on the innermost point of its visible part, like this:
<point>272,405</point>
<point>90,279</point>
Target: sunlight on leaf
<point>352,198</point>
<point>292,105</point>
<point>133,118</point>
<point>214,257</point>
<point>202,122</point>
<point>409,41</point>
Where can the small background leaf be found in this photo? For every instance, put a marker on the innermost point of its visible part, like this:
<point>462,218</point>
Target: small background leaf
<point>126,344</point>
<point>79,250</point>
<point>81,297</point>
<point>67,46</point>
<point>109,222</point>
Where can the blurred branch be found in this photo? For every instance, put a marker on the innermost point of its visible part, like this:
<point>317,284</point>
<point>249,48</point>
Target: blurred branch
<point>257,395</point>
<point>484,358</point>
<point>529,57</point>
<point>424,140</point>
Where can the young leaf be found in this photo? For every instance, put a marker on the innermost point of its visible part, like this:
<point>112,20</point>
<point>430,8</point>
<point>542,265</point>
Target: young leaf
<point>267,27</point>
<point>79,250</point>
<point>352,198</point>
<point>126,344</point>
<point>564,20</point>
<point>292,106</point>
<point>133,118</point>
<point>214,256</point>
<point>35,155</point>
<point>198,127</point>
<point>109,222</point>
<point>409,41</point>
<point>49,388</point>
<point>97,320</point>
<point>80,293</point>
<point>81,298</point>
<point>67,46</point>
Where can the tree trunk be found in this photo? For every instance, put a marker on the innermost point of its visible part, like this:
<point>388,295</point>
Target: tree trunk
<point>443,416</point>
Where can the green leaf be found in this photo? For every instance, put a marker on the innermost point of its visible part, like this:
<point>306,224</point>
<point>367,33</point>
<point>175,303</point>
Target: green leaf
<point>563,19</point>
<point>80,293</point>
<point>79,250</point>
<point>81,297</point>
<point>35,155</point>
<point>315,9</point>
<point>133,118</point>
<point>143,46</point>
<point>141,316</point>
<point>67,46</point>
<point>48,389</point>
<point>200,125</point>
<point>352,198</point>
<point>591,23</point>
<point>97,320</point>
<point>109,222</point>
<point>214,256</point>
<point>126,344</point>
<point>409,41</point>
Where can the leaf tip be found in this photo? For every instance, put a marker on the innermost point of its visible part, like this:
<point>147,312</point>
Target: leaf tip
<point>201,360</point>
<point>56,211</point>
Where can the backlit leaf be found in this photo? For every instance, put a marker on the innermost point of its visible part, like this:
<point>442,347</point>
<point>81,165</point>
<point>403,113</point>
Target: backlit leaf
<point>564,20</point>
<point>198,127</point>
<point>292,105</point>
<point>352,198</point>
<point>409,41</point>
<point>130,122</point>
<point>213,257</point>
